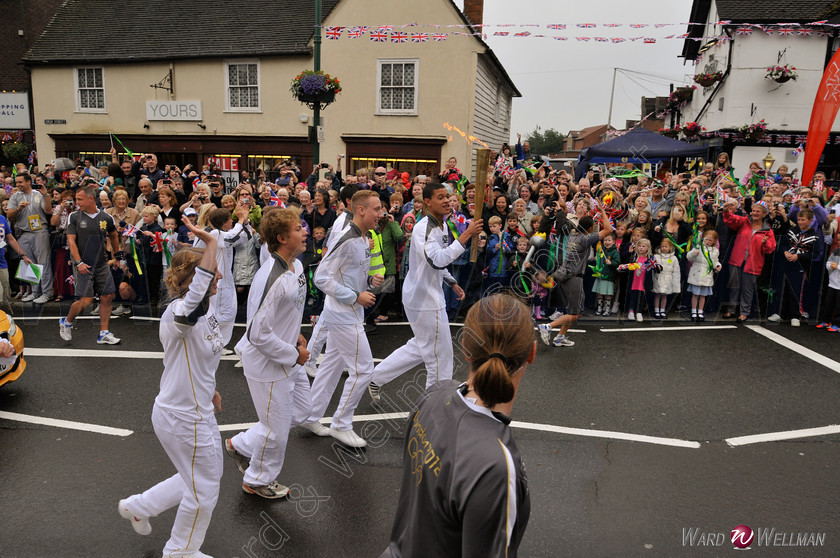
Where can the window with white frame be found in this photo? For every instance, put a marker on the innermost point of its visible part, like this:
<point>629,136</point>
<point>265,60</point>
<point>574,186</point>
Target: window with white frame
<point>242,80</point>
<point>397,86</point>
<point>90,89</point>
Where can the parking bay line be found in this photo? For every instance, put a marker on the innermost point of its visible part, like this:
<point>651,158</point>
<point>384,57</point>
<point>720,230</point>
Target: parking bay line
<point>796,347</point>
<point>72,425</point>
<point>673,442</point>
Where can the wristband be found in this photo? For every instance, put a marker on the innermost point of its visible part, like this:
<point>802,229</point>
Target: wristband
<point>78,263</point>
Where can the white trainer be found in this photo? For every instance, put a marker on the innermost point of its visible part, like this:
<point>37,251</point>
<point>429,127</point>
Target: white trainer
<point>28,298</point>
<point>545,333</point>
<point>316,428</point>
<point>794,322</point>
<point>310,368</point>
<point>640,317</point>
<point>107,338</point>
<point>348,438</point>
<point>65,330</point>
<point>557,314</point>
<point>775,318</point>
<point>139,523</point>
<point>43,299</point>
<point>120,310</point>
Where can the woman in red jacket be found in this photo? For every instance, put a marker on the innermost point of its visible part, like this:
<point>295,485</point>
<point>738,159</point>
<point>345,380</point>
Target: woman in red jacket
<point>753,240</point>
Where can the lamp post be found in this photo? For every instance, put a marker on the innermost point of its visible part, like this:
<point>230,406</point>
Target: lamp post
<point>768,163</point>
<point>316,110</point>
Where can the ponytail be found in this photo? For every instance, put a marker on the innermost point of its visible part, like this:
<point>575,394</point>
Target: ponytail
<point>491,382</point>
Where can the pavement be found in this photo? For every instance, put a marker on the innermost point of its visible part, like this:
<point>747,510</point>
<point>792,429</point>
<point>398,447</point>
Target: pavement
<point>641,440</point>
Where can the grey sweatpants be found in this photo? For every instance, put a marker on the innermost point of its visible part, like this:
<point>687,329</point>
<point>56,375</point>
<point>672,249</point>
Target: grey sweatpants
<point>36,245</point>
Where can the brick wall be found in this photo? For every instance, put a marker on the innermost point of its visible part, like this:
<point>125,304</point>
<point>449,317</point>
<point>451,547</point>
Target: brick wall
<point>32,16</point>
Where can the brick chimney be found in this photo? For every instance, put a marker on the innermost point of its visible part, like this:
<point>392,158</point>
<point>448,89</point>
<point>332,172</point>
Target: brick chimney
<point>474,10</point>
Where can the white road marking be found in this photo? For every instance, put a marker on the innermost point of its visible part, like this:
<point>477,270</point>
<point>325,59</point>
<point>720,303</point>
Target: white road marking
<point>797,348</point>
<point>100,353</point>
<point>516,424</point>
<point>674,328</point>
<point>787,435</point>
<point>84,426</point>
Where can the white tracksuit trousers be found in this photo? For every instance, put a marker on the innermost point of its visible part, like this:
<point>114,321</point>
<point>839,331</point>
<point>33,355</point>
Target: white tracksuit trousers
<point>280,405</point>
<point>347,345</point>
<point>224,307</point>
<point>431,345</point>
<point>195,448</point>
<point>317,341</point>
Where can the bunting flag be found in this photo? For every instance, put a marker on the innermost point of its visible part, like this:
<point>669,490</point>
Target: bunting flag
<point>334,33</point>
<point>439,37</point>
<point>586,25</point>
<point>785,31</point>
<point>560,38</point>
<point>399,37</point>
<point>419,37</point>
<point>501,34</point>
<point>378,37</point>
<point>385,28</point>
<point>357,32</point>
<point>557,26</point>
<point>743,31</point>
<point>523,34</point>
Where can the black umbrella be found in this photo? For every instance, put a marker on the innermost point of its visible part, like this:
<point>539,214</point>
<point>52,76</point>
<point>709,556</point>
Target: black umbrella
<point>64,164</point>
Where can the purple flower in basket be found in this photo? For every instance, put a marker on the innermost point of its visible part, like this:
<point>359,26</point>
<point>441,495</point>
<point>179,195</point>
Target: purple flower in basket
<point>312,84</point>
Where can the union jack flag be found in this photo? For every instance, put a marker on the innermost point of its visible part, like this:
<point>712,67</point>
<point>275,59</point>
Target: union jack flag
<point>661,25</point>
<point>582,38</point>
<point>801,139</point>
<point>744,31</point>
<point>649,41</point>
<point>737,137</point>
<point>617,40</point>
<point>785,31</point>
<point>379,37</point>
<point>157,242</point>
<point>683,36</point>
<point>559,38</point>
<point>557,26</point>
<point>71,280</point>
<point>356,32</point>
<point>612,25</point>
<point>275,201</point>
<point>822,33</point>
<point>334,33</point>
<point>419,37</point>
<point>523,34</point>
<point>130,231</point>
<point>638,25</point>
<point>766,139</point>
<point>438,37</point>
<point>385,28</point>
<point>783,138</point>
<point>601,39</point>
<point>805,32</point>
<point>767,30</point>
<point>820,22</point>
<point>586,25</point>
<point>399,37</point>
<point>196,181</point>
<point>798,151</point>
<point>501,34</point>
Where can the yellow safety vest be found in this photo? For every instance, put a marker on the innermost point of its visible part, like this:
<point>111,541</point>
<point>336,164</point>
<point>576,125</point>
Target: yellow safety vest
<point>377,264</point>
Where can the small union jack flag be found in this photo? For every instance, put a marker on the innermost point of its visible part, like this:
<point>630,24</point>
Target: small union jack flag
<point>334,33</point>
<point>419,37</point>
<point>798,151</point>
<point>586,25</point>
<point>801,139</point>
<point>399,37</point>
<point>820,22</point>
<point>501,34</point>
<point>783,138</point>
<point>557,26</point>
<point>356,32</point>
<point>822,33</point>
<point>275,201</point>
<point>638,25</point>
<point>439,37</point>
<point>378,37</point>
<point>559,38</point>
<point>582,38</point>
<point>661,25</point>
<point>385,28</point>
<point>157,242</point>
<point>71,280</point>
<point>601,39</point>
<point>617,40</point>
<point>130,231</point>
<point>523,34</point>
<point>683,36</point>
<point>805,32</point>
<point>738,137</point>
<point>744,31</point>
<point>765,139</point>
<point>785,31</point>
<point>650,41</point>
<point>612,25</point>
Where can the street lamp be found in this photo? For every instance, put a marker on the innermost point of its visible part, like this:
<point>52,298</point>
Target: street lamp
<point>768,162</point>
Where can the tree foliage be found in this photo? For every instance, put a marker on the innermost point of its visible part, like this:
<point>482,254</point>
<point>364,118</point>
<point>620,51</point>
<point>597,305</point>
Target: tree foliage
<point>544,142</point>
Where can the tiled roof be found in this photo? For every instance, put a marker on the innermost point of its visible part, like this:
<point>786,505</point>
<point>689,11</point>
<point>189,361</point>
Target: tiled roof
<point>775,11</point>
<point>134,30</point>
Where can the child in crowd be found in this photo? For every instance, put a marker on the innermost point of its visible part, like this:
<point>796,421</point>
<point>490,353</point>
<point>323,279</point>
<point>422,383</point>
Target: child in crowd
<point>705,262</point>
<point>640,279</point>
<point>170,241</point>
<point>519,275</point>
<point>831,304</point>
<point>499,249</point>
<point>667,281</point>
<point>150,233</point>
<point>607,260</point>
<point>513,230</point>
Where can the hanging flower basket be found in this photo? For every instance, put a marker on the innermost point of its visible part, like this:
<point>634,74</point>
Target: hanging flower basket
<point>754,131</point>
<point>781,74</point>
<point>708,79</point>
<point>691,129</point>
<point>314,88</point>
<point>670,132</point>
<point>683,94</point>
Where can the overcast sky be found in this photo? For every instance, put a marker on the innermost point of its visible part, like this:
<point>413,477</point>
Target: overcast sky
<point>565,85</point>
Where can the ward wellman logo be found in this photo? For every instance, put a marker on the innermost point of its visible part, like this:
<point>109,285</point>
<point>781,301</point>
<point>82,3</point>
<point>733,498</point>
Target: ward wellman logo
<point>742,537</point>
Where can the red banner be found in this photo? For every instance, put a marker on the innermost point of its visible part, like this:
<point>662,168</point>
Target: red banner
<point>825,109</point>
